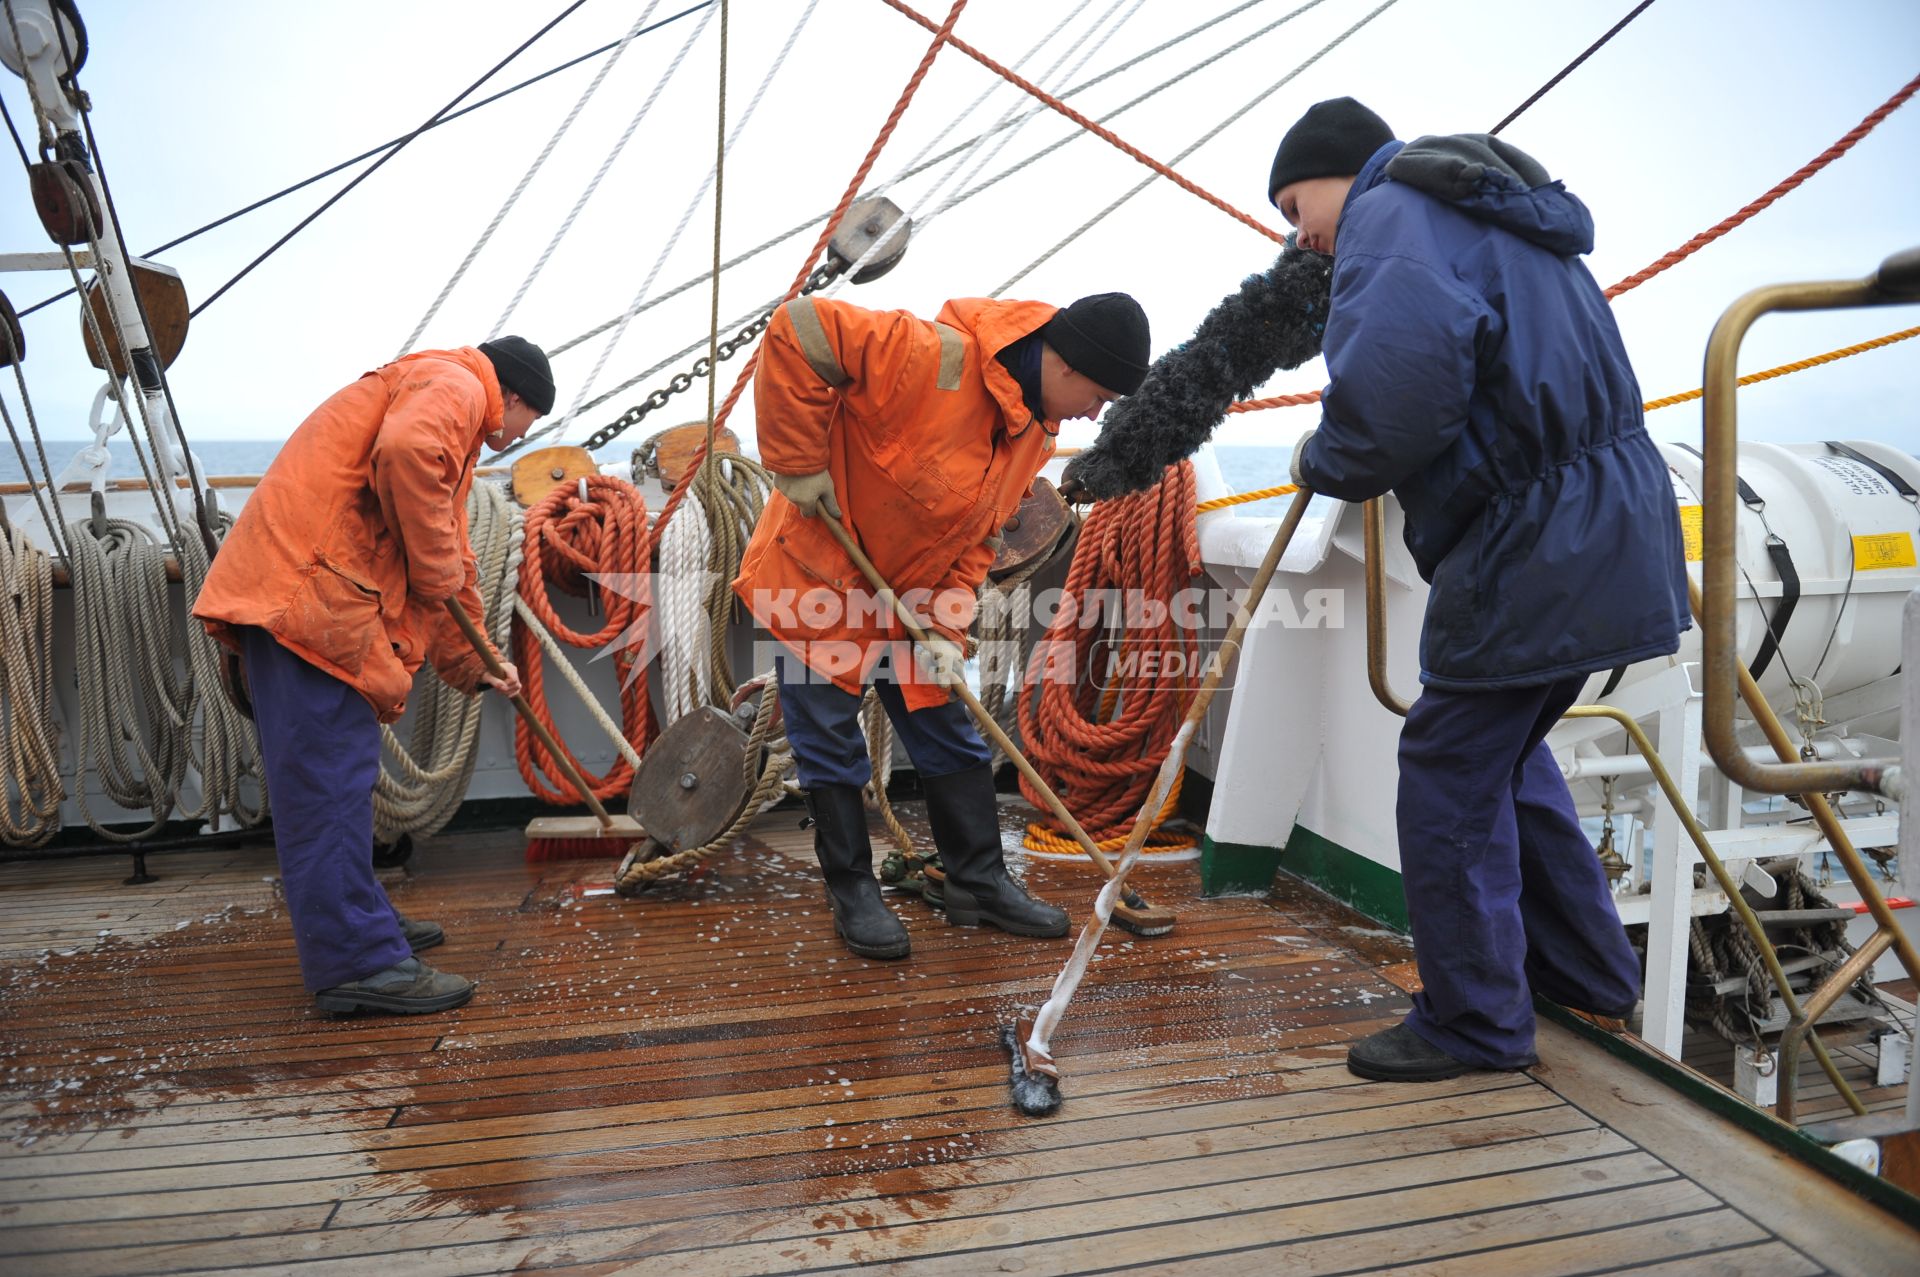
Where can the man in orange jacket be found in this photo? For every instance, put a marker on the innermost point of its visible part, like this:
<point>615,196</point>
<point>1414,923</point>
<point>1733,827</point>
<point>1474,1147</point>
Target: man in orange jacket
<point>332,587</point>
<point>922,438</point>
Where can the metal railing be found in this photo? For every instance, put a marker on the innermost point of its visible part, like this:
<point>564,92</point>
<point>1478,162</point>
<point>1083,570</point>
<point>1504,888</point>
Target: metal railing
<point>1802,1016</point>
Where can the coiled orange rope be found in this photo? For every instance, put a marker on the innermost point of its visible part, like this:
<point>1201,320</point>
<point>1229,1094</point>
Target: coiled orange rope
<point>566,539</point>
<point>1099,727</point>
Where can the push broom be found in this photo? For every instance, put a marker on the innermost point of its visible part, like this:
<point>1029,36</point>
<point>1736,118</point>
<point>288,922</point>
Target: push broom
<point>1036,1078</point>
<point>555,837</point>
<point>1133,913</point>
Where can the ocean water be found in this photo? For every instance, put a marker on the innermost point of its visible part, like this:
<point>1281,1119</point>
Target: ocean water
<point>217,456</point>
<point>1246,468</point>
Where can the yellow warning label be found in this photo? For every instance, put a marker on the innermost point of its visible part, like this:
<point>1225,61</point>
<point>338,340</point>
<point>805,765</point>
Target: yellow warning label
<point>1690,531</point>
<point>1883,550</point>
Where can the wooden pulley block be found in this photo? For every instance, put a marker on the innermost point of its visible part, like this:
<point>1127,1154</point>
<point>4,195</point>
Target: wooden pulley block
<point>13,339</point>
<point>673,451</point>
<point>64,198</point>
<point>1035,532</point>
<point>540,472</point>
<point>865,222</point>
<point>164,299</point>
<point>690,785</point>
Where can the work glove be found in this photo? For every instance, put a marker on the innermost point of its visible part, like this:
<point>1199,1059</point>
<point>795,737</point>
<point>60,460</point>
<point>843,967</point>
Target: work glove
<point>811,493</point>
<point>1299,449</point>
<point>942,658</point>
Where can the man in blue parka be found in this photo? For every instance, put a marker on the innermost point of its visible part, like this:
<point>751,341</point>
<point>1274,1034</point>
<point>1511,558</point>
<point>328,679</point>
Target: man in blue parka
<point>1475,371</point>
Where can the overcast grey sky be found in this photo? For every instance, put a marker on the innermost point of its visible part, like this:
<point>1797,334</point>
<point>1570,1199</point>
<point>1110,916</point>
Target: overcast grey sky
<point>204,105</point>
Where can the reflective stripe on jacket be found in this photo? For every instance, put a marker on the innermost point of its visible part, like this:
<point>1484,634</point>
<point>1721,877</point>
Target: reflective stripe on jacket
<point>357,533</point>
<point>931,447</point>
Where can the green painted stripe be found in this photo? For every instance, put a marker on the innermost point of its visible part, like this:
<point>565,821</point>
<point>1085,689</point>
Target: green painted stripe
<point>1368,886</point>
<point>1888,1197</point>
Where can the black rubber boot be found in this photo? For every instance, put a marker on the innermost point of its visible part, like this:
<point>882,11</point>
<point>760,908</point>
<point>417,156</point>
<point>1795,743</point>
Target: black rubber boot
<point>846,860</point>
<point>966,828</point>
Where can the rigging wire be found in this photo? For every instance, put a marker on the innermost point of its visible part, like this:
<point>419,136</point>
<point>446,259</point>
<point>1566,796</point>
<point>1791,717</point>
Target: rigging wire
<point>526,179</point>
<point>1012,118</point>
<point>1199,142</point>
<point>388,145</point>
<point>373,168</point>
<point>1571,67</point>
<point>949,153</point>
<point>19,146</point>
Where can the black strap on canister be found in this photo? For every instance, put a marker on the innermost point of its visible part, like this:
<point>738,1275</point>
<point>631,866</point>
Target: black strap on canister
<point>1893,477</point>
<point>1782,559</point>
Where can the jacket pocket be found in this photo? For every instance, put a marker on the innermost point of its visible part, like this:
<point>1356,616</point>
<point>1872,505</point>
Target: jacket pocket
<point>338,618</point>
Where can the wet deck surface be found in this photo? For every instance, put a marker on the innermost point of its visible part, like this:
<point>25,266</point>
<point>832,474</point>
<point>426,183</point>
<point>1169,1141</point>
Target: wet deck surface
<point>703,1081</point>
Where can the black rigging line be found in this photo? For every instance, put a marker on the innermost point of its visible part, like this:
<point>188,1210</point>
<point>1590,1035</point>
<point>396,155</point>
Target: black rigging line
<point>17,143</point>
<point>1569,69</point>
<point>389,145</point>
<point>374,167</point>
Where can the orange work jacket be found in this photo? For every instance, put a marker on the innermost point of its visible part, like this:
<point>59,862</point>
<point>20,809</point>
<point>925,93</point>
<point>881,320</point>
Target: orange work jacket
<point>357,535</point>
<point>931,447</point>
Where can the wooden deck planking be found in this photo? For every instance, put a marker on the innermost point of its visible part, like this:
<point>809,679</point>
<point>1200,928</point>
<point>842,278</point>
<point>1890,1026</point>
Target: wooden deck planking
<point>701,1080</point>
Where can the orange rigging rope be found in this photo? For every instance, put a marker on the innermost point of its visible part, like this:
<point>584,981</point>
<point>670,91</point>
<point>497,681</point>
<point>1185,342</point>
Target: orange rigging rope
<point>567,538</point>
<point>940,37</point>
<point>1800,175</point>
<point>1104,715</point>
<point>1105,135</point>
<point>1694,245</point>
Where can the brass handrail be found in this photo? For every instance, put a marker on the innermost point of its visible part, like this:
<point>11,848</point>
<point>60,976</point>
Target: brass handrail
<point>1897,281</point>
<point>1738,902</point>
<point>1801,1020</point>
<point>1374,519</point>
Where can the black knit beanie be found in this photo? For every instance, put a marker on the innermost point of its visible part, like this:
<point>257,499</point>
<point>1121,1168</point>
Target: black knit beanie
<point>1103,337</point>
<point>1334,138</point>
<point>522,368</point>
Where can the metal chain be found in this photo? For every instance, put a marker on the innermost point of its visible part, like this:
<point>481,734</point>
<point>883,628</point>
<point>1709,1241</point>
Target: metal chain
<point>702,367</point>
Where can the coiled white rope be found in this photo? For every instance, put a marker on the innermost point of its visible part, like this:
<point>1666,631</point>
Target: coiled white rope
<point>686,676</point>
<point>429,778</point>
<point>135,713</point>
<point>31,789</point>
<point>231,775</point>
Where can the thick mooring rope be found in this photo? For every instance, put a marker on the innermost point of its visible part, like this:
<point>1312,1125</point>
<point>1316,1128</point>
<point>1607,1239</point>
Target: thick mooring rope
<point>135,713</point>
<point>430,774</point>
<point>567,540</point>
<point>30,790</point>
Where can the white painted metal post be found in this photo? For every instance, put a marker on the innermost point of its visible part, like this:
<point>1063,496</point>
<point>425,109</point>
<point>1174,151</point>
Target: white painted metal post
<point>1910,798</point>
<point>1671,908</point>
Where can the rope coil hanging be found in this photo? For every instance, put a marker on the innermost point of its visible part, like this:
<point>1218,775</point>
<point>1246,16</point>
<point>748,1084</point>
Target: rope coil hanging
<point>1099,712</point>
<point>31,789</point>
<point>430,774</point>
<point>566,539</point>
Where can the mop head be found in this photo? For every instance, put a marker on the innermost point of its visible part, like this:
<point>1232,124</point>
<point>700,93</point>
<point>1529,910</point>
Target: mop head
<point>1036,1084</point>
<point>1276,320</point>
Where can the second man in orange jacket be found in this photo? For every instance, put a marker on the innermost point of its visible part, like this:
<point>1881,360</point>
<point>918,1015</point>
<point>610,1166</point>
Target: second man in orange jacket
<point>922,437</point>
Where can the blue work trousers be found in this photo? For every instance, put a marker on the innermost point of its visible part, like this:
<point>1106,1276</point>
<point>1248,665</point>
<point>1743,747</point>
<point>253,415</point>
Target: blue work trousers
<point>1504,891</point>
<point>823,726</point>
<point>321,745</point>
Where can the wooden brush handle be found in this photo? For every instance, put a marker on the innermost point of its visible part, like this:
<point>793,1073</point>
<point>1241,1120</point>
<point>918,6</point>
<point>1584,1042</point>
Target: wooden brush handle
<point>539,729</point>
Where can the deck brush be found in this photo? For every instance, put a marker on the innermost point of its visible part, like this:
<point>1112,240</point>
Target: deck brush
<point>557,837</point>
<point>1036,1082</point>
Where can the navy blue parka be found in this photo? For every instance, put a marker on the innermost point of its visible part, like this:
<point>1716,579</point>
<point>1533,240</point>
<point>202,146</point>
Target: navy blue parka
<point>1477,373</point>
